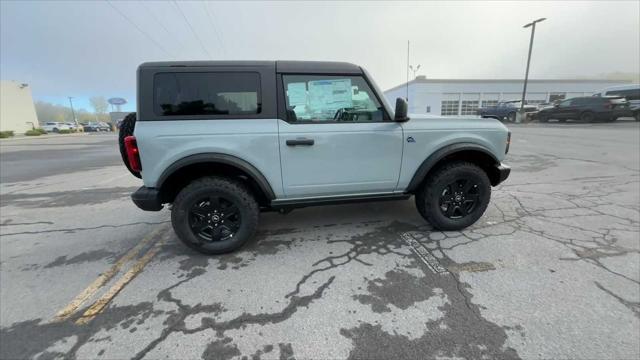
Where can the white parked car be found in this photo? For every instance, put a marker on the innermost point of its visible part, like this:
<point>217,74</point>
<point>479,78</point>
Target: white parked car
<point>71,125</point>
<point>55,126</point>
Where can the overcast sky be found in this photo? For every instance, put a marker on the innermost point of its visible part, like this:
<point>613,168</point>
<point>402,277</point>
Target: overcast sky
<point>86,48</point>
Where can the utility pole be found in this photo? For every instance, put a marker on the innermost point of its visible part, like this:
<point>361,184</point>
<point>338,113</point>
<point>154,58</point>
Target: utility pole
<point>407,70</point>
<point>526,74</point>
<point>73,113</point>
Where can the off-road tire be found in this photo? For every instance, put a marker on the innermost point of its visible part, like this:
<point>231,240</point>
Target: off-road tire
<point>234,191</point>
<point>127,126</point>
<point>427,198</point>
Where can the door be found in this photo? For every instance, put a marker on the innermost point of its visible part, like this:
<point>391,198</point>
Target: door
<point>565,110</point>
<point>337,138</point>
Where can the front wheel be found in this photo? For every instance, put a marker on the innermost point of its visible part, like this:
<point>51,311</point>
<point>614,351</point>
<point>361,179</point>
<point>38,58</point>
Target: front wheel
<point>511,117</point>
<point>455,196</point>
<point>215,215</point>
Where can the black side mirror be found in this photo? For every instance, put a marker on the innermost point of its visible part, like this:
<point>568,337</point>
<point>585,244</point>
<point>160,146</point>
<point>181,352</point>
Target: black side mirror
<point>401,110</point>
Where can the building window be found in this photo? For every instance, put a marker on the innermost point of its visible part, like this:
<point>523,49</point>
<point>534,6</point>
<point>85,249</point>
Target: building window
<point>469,107</point>
<point>488,103</point>
<point>449,107</point>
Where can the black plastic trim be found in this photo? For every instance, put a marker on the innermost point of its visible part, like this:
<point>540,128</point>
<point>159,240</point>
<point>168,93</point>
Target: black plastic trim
<point>147,199</point>
<point>299,203</point>
<point>503,173</point>
<point>433,159</point>
<point>243,165</point>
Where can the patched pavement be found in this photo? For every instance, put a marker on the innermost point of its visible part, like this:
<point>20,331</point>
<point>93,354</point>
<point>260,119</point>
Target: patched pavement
<point>551,271</point>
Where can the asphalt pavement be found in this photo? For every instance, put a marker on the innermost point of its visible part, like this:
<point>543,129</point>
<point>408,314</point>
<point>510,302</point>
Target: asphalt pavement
<point>552,270</point>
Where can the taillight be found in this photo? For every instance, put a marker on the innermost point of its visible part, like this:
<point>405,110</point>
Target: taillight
<point>506,150</point>
<point>133,154</point>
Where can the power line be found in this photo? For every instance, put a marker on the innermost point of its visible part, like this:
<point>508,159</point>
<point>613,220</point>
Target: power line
<point>193,31</point>
<point>138,28</point>
<point>215,28</point>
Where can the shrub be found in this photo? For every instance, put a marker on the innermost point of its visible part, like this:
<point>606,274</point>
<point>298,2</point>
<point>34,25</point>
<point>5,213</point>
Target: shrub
<point>6,134</point>
<point>40,130</point>
<point>33,133</point>
<point>65,131</point>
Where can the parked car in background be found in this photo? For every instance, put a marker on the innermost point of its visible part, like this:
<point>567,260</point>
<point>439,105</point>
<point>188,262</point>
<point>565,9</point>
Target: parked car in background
<point>72,126</point>
<point>505,110</point>
<point>96,126</point>
<point>587,109</point>
<point>55,127</point>
<point>630,92</point>
<point>103,126</point>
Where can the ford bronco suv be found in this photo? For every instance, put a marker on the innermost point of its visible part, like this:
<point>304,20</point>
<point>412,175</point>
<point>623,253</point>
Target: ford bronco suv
<point>224,140</point>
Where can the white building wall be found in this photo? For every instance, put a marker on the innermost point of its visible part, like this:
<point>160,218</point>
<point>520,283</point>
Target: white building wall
<point>426,96</point>
<point>17,112</point>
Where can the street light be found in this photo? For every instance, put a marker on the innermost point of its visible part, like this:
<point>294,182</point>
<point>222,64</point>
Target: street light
<point>526,74</point>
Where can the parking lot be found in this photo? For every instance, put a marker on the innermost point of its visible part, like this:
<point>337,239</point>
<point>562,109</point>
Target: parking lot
<point>552,270</point>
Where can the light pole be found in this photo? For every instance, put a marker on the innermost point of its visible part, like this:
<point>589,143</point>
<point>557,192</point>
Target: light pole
<point>73,113</point>
<point>408,70</point>
<point>526,74</point>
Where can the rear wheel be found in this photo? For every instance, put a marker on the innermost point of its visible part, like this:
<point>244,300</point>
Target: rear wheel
<point>511,117</point>
<point>215,215</point>
<point>455,196</point>
<point>587,116</point>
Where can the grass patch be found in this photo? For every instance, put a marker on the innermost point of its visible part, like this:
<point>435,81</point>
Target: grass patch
<point>6,134</point>
<point>33,133</point>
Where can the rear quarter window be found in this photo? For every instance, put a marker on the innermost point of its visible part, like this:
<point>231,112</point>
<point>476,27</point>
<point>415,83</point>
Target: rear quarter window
<point>206,93</point>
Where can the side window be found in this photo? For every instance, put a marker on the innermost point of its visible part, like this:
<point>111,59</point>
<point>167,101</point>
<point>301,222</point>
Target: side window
<point>207,93</point>
<point>566,103</point>
<point>328,98</point>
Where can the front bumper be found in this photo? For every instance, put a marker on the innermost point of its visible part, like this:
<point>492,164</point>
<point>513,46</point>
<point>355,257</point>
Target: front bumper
<point>501,173</point>
<point>147,199</point>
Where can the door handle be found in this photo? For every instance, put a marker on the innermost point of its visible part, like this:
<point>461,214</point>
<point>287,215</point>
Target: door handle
<point>301,142</point>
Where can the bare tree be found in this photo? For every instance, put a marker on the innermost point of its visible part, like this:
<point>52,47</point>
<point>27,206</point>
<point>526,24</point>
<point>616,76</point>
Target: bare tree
<point>99,105</point>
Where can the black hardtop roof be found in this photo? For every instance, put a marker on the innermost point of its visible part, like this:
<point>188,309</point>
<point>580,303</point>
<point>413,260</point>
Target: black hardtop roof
<point>281,66</point>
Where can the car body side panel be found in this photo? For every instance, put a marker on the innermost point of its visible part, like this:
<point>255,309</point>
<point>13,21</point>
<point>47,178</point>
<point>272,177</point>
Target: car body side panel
<point>431,134</point>
<point>254,141</point>
<point>345,159</point>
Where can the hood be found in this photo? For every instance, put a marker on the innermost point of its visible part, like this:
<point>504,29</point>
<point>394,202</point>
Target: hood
<point>437,122</point>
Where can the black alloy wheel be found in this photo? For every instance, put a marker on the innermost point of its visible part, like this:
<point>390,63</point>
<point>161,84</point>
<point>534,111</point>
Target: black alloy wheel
<point>214,218</point>
<point>459,198</point>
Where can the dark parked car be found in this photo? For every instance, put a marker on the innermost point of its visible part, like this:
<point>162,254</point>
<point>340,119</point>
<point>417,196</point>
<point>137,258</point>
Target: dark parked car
<point>587,109</point>
<point>96,126</point>
<point>505,110</point>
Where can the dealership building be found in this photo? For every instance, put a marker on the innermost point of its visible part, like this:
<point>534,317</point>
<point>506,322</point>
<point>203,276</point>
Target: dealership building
<point>17,112</point>
<point>463,97</point>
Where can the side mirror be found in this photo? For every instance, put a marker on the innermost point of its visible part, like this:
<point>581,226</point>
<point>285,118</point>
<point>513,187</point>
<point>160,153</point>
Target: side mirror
<point>401,110</point>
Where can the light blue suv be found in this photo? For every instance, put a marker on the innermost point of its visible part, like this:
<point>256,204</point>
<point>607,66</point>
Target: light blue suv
<point>223,141</point>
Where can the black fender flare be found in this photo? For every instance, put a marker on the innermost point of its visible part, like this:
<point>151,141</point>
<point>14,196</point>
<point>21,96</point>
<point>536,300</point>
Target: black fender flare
<point>226,159</point>
<point>440,154</point>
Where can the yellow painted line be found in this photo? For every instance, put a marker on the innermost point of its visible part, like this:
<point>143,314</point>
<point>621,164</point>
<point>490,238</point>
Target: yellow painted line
<point>101,303</point>
<point>75,304</point>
